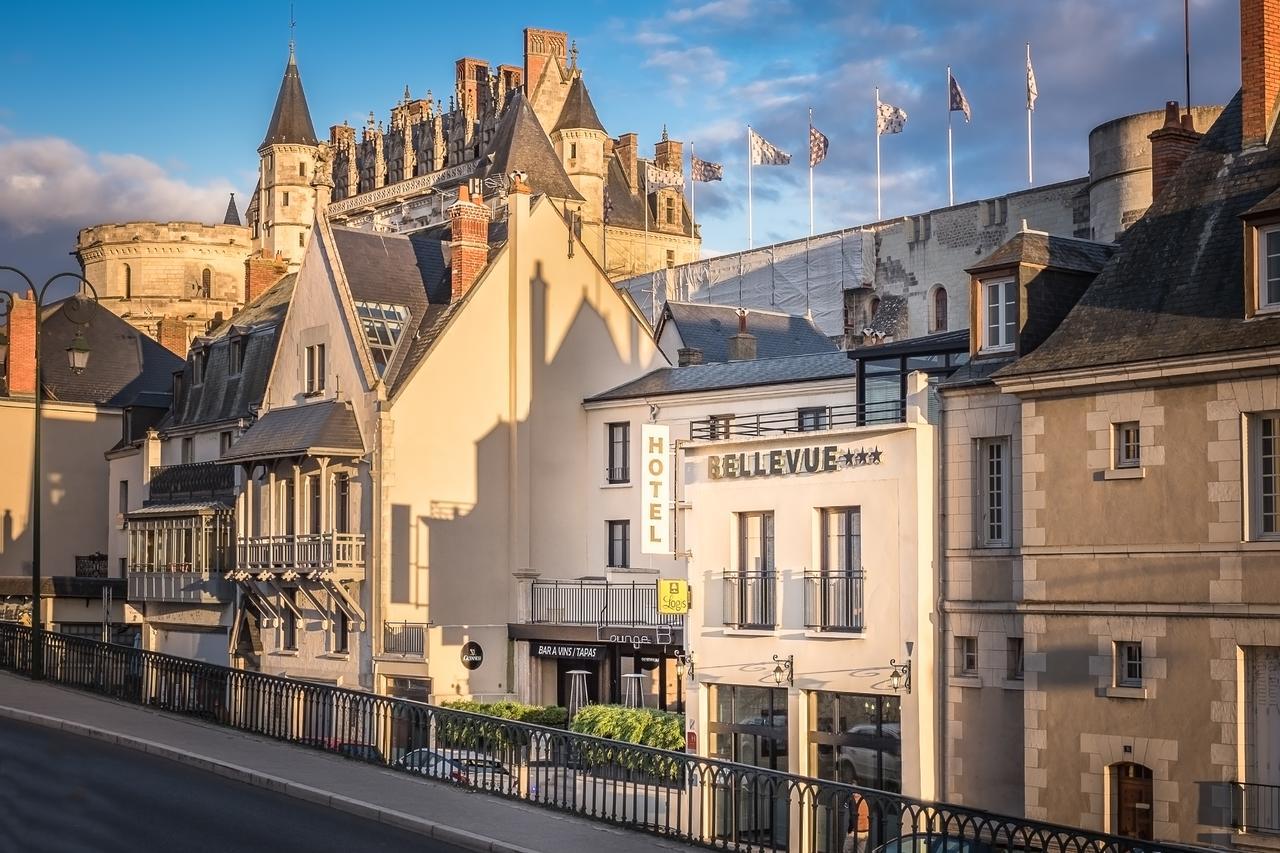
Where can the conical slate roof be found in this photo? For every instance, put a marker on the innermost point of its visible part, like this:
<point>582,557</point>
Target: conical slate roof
<point>578,112</point>
<point>233,215</point>
<point>520,144</point>
<point>291,120</point>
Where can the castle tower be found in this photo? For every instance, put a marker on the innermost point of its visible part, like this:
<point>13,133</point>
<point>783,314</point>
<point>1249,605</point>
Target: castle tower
<point>579,140</point>
<point>285,203</point>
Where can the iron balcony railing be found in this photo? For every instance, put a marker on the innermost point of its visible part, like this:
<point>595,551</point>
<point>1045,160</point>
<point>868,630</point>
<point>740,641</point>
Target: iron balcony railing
<point>404,638</point>
<point>178,584</point>
<point>192,481</point>
<point>1255,807</point>
<point>599,602</point>
<point>677,796</point>
<point>798,420</point>
<point>617,475</point>
<point>833,601</point>
<point>301,552</point>
<point>751,599</point>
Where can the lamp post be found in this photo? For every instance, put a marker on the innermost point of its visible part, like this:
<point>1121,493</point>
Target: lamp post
<point>78,359</point>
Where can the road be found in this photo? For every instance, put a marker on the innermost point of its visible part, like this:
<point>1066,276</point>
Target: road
<point>61,793</point>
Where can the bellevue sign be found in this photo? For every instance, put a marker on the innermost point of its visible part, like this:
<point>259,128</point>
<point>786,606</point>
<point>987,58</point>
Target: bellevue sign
<point>781,463</point>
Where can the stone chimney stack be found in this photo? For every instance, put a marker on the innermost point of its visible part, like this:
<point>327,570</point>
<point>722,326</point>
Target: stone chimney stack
<point>260,272</point>
<point>742,346</point>
<point>21,366</point>
<point>1170,145</point>
<point>172,334</point>
<point>1259,69</point>
<point>469,241</point>
<point>628,150</point>
<point>688,356</point>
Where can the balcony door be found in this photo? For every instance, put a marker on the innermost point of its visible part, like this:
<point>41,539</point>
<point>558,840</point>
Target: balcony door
<point>755,582</point>
<point>1262,737</point>
<point>315,522</point>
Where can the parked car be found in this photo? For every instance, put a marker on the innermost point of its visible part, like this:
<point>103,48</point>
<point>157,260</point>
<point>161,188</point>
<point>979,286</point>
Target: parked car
<point>484,771</point>
<point>431,763</point>
<point>359,751</point>
<point>919,842</point>
<point>857,764</point>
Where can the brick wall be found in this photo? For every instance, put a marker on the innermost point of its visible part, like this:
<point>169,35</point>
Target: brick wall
<point>172,334</point>
<point>1259,66</point>
<point>22,347</point>
<point>1170,145</point>
<point>469,243</point>
<point>259,274</point>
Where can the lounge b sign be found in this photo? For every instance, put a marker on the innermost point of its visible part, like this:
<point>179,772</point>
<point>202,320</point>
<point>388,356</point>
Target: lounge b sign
<point>655,507</point>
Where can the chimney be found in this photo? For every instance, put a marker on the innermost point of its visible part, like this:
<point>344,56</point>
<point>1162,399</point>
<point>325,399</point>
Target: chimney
<point>628,148</point>
<point>1259,69</point>
<point>1170,145</point>
<point>21,365</point>
<point>687,356</point>
<point>172,334</point>
<point>541,47</point>
<point>468,242</point>
<point>669,154</point>
<point>742,346</point>
<point>260,272</point>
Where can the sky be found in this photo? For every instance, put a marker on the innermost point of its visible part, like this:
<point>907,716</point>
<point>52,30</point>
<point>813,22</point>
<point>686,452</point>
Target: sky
<point>112,112</point>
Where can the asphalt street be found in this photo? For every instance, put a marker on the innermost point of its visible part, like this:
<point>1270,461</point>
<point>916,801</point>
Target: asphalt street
<point>60,793</point>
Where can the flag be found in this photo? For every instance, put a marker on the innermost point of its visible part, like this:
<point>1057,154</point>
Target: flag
<point>656,179</point>
<point>958,101</point>
<point>705,170</point>
<point>765,153</point>
<point>889,119</point>
<point>817,146</point>
<point>1032,92</point>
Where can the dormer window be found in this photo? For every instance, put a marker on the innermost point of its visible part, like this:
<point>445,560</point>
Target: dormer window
<point>235,354</point>
<point>199,359</point>
<point>1000,315</point>
<point>1269,268</point>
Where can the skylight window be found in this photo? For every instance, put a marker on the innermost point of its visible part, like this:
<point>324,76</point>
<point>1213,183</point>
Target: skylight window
<point>383,324</point>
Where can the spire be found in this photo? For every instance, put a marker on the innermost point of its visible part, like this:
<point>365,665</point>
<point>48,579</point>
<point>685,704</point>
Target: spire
<point>291,120</point>
<point>233,215</point>
<point>407,96</point>
<point>578,112</point>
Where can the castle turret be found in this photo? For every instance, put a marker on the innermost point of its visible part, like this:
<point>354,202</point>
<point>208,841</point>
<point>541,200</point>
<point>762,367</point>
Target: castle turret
<point>579,140</point>
<point>286,197</point>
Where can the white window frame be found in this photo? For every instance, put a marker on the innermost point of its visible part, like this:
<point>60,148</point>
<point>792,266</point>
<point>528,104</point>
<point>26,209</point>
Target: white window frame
<point>1016,656</point>
<point>1263,486</point>
<point>1003,285</point>
<point>966,655</point>
<point>993,493</point>
<point>1128,453</point>
<point>1260,270</point>
<point>1128,658</point>
<point>617,465</point>
<point>623,560</point>
<point>314,361</point>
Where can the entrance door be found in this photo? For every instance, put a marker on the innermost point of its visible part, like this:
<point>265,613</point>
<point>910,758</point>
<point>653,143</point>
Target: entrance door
<point>1133,800</point>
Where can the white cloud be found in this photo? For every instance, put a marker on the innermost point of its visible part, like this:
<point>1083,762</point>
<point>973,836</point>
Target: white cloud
<point>686,66</point>
<point>715,10</point>
<point>49,183</point>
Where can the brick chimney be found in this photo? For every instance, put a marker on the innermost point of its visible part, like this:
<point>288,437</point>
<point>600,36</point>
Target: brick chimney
<point>171,331</point>
<point>628,149</point>
<point>742,346</point>
<point>1170,145</point>
<point>1259,69</point>
<point>260,272</point>
<point>469,241</point>
<point>687,356</point>
<point>21,364</point>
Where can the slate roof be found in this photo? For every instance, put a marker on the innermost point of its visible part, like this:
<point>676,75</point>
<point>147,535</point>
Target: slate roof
<point>291,120</point>
<point>628,207</point>
<point>1175,287</point>
<point>734,374</point>
<point>232,216</point>
<point>223,397</point>
<point>1045,250</point>
<point>126,367</point>
<point>520,144</point>
<point>709,327</point>
<point>316,429</point>
<point>578,112</point>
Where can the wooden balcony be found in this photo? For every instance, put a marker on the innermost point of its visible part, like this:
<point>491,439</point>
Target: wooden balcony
<point>178,584</point>
<point>322,556</point>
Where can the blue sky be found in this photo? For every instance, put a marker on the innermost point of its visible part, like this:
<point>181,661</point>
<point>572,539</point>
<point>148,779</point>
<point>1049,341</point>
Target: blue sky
<point>119,111</point>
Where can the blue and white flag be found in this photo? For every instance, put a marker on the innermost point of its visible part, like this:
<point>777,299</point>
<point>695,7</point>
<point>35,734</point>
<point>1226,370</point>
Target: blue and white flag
<point>705,170</point>
<point>765,153</point>
<point>889,119</point>
<point>958,103</point>
<point>656,179</point>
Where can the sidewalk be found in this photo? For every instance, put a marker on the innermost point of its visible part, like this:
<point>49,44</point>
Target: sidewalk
<point>464,818</point>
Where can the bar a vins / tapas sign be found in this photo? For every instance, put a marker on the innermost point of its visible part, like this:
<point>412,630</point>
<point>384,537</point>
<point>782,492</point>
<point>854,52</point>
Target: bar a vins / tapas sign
<point>655,506</point>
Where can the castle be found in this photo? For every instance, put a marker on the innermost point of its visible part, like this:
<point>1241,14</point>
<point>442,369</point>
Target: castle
<point>177,280</point>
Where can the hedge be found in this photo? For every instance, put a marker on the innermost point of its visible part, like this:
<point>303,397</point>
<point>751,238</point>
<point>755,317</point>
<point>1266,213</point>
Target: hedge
<point>644,726</point>
<point>541,715</point>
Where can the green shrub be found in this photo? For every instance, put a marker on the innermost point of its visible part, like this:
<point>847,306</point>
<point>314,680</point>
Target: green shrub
<point>540,715</point>
<point>642,726</point>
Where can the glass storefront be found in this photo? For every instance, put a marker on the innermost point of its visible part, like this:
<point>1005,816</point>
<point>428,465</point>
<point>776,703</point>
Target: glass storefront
<point>857,739</point>
<point>749,726</point>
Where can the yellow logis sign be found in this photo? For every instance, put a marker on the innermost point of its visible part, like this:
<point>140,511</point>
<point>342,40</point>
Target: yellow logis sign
<point>673,596</point>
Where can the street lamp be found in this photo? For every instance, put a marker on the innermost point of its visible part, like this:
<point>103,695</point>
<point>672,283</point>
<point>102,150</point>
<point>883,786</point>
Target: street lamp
<point>900,676</point>
<point>784,669</point>
<point>77,359</point>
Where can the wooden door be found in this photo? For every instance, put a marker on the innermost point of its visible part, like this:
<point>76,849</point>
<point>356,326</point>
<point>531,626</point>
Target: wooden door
<point>1133,786</point>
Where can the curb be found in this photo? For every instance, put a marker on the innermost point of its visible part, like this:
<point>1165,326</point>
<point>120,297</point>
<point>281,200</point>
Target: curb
<point>358,808</point>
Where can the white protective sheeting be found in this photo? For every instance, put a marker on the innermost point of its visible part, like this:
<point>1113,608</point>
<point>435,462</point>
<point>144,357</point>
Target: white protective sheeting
<point>800,277</point>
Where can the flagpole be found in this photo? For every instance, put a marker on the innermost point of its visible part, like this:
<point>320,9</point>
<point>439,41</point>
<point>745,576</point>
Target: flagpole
<point>750,229</point>
<point>878,214</point>
<point>693,191</point>
<point>951,193</point>
<point>1030,178</point>
<point>810,173</point>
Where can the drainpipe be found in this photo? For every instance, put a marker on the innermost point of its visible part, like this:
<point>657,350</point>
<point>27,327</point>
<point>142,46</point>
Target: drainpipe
<point>940,641</point>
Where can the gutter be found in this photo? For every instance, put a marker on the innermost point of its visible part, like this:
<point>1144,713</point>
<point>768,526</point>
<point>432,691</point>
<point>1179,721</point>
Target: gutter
<point>940,640</point>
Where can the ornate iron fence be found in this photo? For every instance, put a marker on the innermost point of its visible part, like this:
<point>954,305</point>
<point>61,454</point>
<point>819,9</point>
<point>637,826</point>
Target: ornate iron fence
<point>703,801</point>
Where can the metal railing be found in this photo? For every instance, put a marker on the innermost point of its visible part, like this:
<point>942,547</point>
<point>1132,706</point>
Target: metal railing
<point>192,481</point>
<point>617,475</point>
<point>833,600</point>
<point>702,801</point>
<point>590,602</point>
<point>301,552</point>
<point>751,599</point>
<point>404,638</point>
<point>1255,807</point>
<point>798,420</point>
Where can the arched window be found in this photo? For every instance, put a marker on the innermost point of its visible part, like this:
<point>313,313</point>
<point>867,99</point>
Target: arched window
<point>875,307</point>
<point>939,309</point>
<point>206,283</point>
<point>128,282</point>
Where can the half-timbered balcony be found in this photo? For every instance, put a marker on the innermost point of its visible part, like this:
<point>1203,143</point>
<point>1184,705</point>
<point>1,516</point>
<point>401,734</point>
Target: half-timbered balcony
<point>310,555</point>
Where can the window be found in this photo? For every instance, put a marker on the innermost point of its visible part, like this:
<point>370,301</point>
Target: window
<point>619,462</point>
<point>315,369</point>
<point>841,540</point>
<point>671,258</point>
<point>812,419</point>
<point>1269,267</point>
<point>619,544</point>
<point>342,502</point>
<point>312,483</point>
<point>671,211</point>
<point>833,596</point>
<point>573,150</point>
<point>1128,664</point>
<point>122,499</point>
<point>755,542</point>
<point>199,358</point>
<point>940,309</point>
<point>285,201</point>
<point>749,594</point>
<point>288,508</point>
<point>1265,465</point>
<point>341,632</point>
<point>128,282</point>
<point>1014,652</point>
<point>858,741</point>
<point>967,655</point>
<point>206,283</point>
<point>289,631</point>
<point>302,169</point>
<point>235,354</point>
<point>383,324</point>
<point>188,450</point>
<point>993,491</point>
<point>873,308</point>
<point>224,442</point>
<point>302,239</point>
<point>1000,301</point>
<point>1127,444</point>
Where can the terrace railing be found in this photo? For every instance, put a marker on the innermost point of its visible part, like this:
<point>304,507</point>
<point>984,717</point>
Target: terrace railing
<point>587,602</point>
<point>798,420</point>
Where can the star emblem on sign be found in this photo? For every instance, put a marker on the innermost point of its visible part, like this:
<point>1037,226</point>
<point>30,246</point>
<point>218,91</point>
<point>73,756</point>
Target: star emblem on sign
<point>847,458</point>
<point>874,456</point>
<point>861,457</point>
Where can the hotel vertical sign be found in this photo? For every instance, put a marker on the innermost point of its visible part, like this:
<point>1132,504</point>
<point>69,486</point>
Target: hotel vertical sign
<point>655,500</point>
